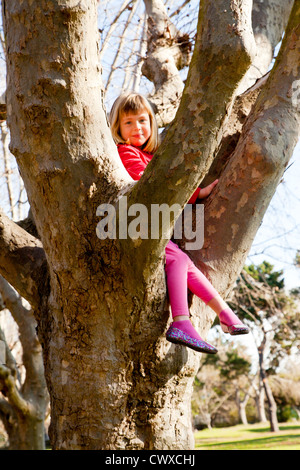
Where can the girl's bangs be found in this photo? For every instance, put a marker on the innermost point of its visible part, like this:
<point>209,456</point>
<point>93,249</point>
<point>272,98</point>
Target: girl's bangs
<point>134,104</point>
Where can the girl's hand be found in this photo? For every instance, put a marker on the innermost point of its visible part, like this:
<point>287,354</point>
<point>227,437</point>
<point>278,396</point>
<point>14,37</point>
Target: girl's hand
<point>204,192</point>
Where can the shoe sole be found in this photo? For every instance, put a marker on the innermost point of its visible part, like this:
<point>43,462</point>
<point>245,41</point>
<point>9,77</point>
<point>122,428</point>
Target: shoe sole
<point>236,332</point>
<point>191,346</point>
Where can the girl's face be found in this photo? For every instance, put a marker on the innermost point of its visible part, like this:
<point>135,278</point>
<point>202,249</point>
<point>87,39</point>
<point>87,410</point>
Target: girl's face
<point>135,128</point>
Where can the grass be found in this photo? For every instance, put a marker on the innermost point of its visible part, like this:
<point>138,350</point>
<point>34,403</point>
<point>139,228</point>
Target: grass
<point>250,437</point>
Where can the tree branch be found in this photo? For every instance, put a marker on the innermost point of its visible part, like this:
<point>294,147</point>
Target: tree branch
<point>9,359</point>
<point>30,397</point>
<point>22,260</point>
<point>269,20</point>
<point>12,392</point>
<point>168,51</point>
<point>253,173</point>
<point>27,327</point>
<point>222,55</point>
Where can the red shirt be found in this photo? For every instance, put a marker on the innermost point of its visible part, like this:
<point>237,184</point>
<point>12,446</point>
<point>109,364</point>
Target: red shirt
<point>135,161</point>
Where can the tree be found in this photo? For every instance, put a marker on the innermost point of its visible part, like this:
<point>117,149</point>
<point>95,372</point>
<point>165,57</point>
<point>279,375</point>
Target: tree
<point>222,378</point>
<point>260,296</point>
<point>24,397</point>
<point>233,369</point>
<point>100,305</point>
<point>285,388</point>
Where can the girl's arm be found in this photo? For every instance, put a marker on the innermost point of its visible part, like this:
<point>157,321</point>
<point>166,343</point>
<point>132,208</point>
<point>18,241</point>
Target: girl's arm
<point>135,166</point>
<point>132,161</point>
<point>195,196</point>
<point>204,192</point>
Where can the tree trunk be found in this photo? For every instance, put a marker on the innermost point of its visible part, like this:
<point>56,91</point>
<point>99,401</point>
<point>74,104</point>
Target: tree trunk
<point>260,402</point>
<point>242,413</point>
<point>114,381</point>
<point>242,407</point>
<point>272,407</point>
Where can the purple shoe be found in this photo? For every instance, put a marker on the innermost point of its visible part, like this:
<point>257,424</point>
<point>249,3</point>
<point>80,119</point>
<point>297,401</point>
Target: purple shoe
<point>175,335</point>
<point>235,330</point>
<point>231,324</point>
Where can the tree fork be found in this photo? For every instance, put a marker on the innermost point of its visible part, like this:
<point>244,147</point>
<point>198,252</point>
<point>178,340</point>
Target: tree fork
<point>114,382</point>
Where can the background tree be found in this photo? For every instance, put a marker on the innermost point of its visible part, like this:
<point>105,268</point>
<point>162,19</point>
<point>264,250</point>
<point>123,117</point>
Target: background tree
<point>112,379</point>
<point>285,387</point>
<point>260,296</point>
<point>24,396</point>
<point>233,368</point>
<point>224,382</point>
<point>209,397</point>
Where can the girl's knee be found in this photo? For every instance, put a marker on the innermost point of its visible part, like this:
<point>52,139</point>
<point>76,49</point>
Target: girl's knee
<point>178,259</point>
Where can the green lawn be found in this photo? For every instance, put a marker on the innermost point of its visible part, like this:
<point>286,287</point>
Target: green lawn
<point>251,437</point>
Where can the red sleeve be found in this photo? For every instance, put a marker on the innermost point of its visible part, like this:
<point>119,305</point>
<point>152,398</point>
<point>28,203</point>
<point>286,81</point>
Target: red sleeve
<point>135,166</point>
<point>132,161</point>
<point>194,196</point>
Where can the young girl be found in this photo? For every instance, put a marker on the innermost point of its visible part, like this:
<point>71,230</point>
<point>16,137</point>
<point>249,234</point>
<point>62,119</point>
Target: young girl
<point>135,132</point>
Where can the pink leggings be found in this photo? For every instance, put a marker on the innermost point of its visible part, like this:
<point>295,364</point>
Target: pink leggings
<point>182,275</point>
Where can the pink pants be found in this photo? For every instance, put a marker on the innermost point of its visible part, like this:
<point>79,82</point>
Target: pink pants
<point>182,275</point>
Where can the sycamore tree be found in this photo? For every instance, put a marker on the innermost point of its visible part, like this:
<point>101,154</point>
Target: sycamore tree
<point>100,304</point>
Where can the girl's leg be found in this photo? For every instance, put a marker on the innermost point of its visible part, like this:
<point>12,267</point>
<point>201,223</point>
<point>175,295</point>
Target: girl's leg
<point>229,322</point>
<point>181,331</point>
<point>201,286</point>
<point>176,273</point>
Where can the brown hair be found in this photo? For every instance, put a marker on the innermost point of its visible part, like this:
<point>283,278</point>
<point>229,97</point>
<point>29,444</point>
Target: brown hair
<point>133,103</point>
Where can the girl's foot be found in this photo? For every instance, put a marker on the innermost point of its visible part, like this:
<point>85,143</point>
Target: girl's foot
<point>231,324</point>
<point>183,332</point>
